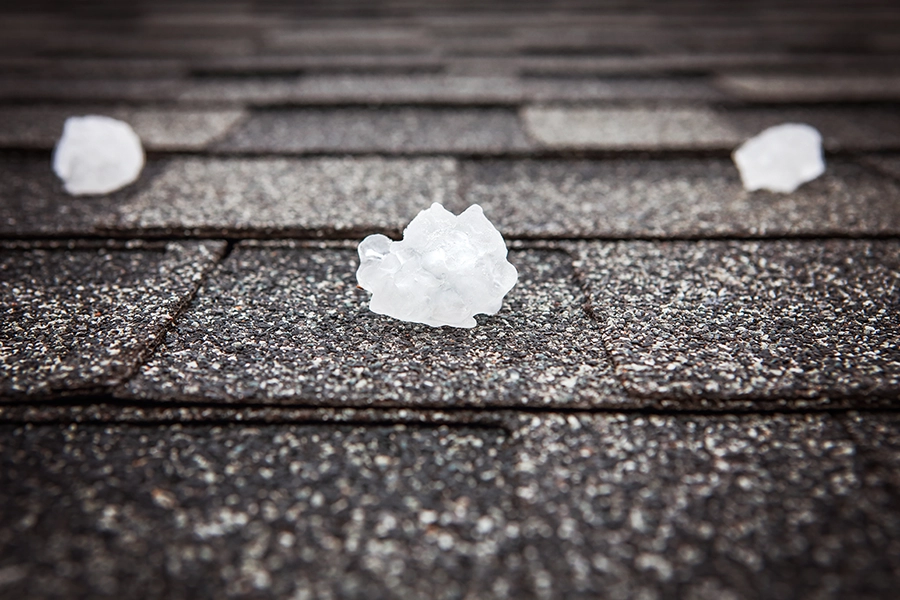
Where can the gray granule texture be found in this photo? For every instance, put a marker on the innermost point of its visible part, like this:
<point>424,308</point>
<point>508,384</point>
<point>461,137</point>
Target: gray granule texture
<point>295,195</point>
<point>635,127</point>
<point>878,437</point>
<point>172,129</point>
<point>34,203</point>
<point>720,319</point>
<point>443,89</point>
<point>120,412</point>
<point>81,319</point>
<point>288,325</point>
<point>336,90</point>
<point>623,506</point>
<point>269,512</point>
<point>94,68</point>
<point>32,200</point>
<point>97,90</point>
<point>843,128</point>
<point>812,88</point>
<point>887,163</point>
<point>757,506</point>
<point>697,197</point>
<point>388,130</point>
<point>623,89</point>
<point>608,128</point>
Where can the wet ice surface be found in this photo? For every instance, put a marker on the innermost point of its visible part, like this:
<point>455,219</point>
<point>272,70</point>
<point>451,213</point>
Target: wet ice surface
<point>446,269</point>
<point>97,155</point>
<point>781,158</point>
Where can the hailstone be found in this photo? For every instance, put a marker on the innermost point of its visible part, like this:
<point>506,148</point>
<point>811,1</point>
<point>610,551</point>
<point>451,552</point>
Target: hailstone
<point>781,158</point>
<point>446,269</point>
<point>97,155</point>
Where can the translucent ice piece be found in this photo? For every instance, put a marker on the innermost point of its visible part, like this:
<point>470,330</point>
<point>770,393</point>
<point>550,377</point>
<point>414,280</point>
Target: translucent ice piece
<point>97,155</point>
<point>446,270</point>
<point>781,158</point>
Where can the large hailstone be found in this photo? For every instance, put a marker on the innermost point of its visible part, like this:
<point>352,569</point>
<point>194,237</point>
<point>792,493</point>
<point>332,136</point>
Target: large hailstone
<point>97,155</point>
<point>446,269</point>
<point>781,158</point>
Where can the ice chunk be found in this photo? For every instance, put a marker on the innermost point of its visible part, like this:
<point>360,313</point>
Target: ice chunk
<point>781,158</point>
<point>97,155</point>
<point>447,269</point>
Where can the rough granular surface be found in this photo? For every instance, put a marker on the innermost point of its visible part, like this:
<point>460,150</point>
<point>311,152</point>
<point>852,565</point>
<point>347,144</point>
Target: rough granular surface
<point>294,319</point>
<point>749,319</point>
<point>690,393</point>
<point>83,318</point>
<point>674,197</point>
<point>389,130</point>
<point>338,510</point>
<point>545,506</point>
<point>39,127</point>
<point>290,195</point>
<point>740,507</point>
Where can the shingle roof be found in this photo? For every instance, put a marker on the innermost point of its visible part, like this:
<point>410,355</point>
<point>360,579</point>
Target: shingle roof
<point>690,393</point>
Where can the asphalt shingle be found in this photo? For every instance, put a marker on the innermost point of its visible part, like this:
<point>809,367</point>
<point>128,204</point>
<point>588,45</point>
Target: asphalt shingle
<point>617,89</point>
<point>660,198</point>
<point>311,197</point>
<point>89,90</point>
<point>888,164</point>
<point>372,37</point>
<point>877,436</point>
<point>795,87</point>
<point>719,319</point>
<point>707,420</point>
<point>94,68</point>
<point>770,506</point>
<point>629,128</point>
<point>33,202</point>
<point>567,506</point>
<point>842,128</point>
<point>375,512</point>
<point>490,88</point>
<point>120,411</point>
<point>358,89</point>
<point>388,130</point>
<point>160,129</point>
<point>282,324</point>
<point>256,65</point>
<point>82,318</point>
<point>700,63</point>
<point>703,129</point>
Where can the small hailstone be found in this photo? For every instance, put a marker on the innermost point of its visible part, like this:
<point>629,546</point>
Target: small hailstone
<point>781,158</point>
<point>97,155</point>
<point>447,269</point>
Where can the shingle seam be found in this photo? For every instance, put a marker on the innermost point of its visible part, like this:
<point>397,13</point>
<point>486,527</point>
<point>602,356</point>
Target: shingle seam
<point>180,309</point>
<point>587,306</point>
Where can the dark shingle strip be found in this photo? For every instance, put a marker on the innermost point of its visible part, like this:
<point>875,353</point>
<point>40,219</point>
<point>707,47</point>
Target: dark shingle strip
<point>33,202</point>
<point>310,197</point>
<point>888,164</point>
<point>82,319</point>
<point>665,198</point>
<point>782,319</point>
<point>303,197</point>
<point>389,130</point>
<point>285,325</point>
<point>350,196</point>
<point>568,505</point>
<point>160,129</point>
<point>793,87</point>
<point>55,89</point>
<point>701,129</point>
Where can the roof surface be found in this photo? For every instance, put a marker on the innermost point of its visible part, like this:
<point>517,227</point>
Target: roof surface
<point>691,392</point>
